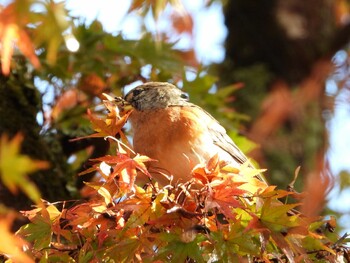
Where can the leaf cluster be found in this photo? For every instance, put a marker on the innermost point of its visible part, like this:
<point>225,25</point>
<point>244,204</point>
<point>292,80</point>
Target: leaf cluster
<point>223,214</point>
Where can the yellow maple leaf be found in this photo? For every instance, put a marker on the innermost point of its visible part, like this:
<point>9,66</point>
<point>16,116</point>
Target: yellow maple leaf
<point>14,168</point>
<point>12,248</point>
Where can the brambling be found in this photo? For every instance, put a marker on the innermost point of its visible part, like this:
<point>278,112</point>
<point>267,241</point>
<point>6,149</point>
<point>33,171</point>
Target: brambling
<point>175,132</point>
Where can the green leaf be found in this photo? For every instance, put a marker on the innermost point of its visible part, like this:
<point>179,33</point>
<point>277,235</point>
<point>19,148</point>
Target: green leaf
<point>158,7</point>
<point>51,25</point>
<point>57,256</point>
<point>313,244</point>
<point>123,250</point>
<point>14,168</point>
<point>236,241</point>
<point>38,232</point>
<point>344,180</point>
<point>274,215</point>
<point>242,142</point>
<point>179,251</point>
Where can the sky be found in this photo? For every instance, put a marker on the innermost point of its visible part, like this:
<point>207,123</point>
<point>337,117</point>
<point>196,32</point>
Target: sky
<point>209,27</point>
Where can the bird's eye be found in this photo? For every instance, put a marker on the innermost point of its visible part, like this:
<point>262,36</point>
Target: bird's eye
<point>136,92</point>
<point>184,96</point>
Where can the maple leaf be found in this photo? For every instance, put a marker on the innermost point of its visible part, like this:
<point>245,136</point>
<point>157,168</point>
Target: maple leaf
<point>274,214</point>
<point>126,250</point>
<point>12,32</point>
<point>256,224</point>
<point>254,178</point>
<point>105,194</point>
<point>225,196</point>
<point>38,231</point>
<point>208,172</point>
<point>182,22</point>
<point>68,100</point>
<point>179,251</point>
<point>79,214</point>
<point>125,168</point>
<point>51,23</point>
<point>14,168</point>
<point>108,127</point>
<point>235,240</point>
<point>140,204</point>
<point>283,245</point>
<point>12,248</point>
<point>315,244</point>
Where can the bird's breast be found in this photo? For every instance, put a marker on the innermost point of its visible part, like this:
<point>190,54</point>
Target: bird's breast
<point>174,136</point>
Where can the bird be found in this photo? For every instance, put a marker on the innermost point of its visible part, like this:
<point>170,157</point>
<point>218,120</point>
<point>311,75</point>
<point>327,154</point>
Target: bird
<point>168,128</point>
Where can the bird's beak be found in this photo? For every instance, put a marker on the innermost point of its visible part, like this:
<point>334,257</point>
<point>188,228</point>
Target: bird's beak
<point>122,106</point>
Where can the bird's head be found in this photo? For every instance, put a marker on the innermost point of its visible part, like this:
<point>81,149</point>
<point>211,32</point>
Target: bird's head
<point>155,95</point>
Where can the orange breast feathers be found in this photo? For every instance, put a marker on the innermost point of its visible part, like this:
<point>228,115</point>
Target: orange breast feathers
<point>177,137</point>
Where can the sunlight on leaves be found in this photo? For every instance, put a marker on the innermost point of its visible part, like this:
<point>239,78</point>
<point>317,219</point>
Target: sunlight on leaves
<point>13,246</point>
<point>13,34</point>
<point>16,31</point>
<point>224,213</point>
<point>15,167</point>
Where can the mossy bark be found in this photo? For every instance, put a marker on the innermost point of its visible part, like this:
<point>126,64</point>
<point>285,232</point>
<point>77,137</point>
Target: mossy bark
<point>19,105</point>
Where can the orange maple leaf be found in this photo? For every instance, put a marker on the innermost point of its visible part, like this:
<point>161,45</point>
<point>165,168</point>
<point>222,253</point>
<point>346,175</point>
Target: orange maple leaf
<point>226,196</point>
<point>12,248</point>
<point>12,34</point>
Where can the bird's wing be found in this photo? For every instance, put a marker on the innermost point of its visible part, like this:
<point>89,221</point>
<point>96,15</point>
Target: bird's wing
<point>219,135</point>
<point>223,141</point>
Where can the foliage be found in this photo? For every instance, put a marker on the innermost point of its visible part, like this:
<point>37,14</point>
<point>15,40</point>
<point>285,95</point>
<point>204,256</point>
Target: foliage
<point>69,82</point>
<point>223,214</point>
<point>14,168</point>
<point>12,247</point>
